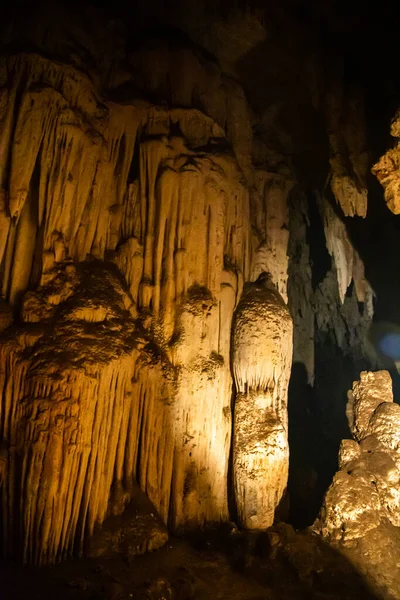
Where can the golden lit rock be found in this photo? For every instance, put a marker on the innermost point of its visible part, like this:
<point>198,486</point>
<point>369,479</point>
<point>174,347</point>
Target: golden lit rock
<point>387,172</point>
<point>367,394</point>
<point>145,353</point>
<point>261,360</point>
<point>362,506</point>
<point>115,376</point>
<point>348,451</point>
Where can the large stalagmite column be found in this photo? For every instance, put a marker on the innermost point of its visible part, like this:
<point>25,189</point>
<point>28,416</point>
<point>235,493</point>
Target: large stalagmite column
<point>261,360</point>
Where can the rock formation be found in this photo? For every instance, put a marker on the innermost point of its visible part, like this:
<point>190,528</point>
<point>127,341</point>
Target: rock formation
<point>261,359</point>
<point>143,201</point>
<point>387,169</point>
<point>88,403</point>
<point>361,512</point>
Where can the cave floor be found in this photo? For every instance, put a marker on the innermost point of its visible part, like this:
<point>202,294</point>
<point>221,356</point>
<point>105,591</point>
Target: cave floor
<point>202,568</point>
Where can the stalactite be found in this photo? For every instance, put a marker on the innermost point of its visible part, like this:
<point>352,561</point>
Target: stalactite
<point>75,142</point>
<point>271,255</point>
<point>349,266</point>
<point>345,120</point>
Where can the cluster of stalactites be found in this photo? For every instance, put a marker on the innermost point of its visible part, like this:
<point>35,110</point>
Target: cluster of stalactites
<point>347,261</point>
<point>76,397</point>
<point>67,158</point>
<point>140,389</point>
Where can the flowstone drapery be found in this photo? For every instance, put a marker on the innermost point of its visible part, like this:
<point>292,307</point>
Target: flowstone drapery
<point>125,244</point>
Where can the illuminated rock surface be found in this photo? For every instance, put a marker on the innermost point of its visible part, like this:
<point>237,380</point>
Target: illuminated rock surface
<point>387,169</point>
<point>158,273</point>
<point>261,359</point>
<point>361,511</point>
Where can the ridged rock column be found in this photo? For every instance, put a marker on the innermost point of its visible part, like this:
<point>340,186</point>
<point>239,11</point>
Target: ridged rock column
<point>261,361</point>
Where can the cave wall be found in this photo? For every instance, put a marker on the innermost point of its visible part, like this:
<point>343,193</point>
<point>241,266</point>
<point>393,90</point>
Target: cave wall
<point>156,218</point>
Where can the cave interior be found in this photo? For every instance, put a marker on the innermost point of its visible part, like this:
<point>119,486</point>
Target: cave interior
<point>199,299</point>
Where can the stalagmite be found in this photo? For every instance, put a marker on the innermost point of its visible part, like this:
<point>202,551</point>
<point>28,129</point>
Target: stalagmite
<point>261,362</point>
<point>361,512</point>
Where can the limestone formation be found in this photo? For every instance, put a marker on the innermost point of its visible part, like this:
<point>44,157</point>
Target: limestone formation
<point>70,412</point>
<point>272,217</point>
<point>361,511</point>
<point>103,384</point>
<point>366,396</point>
<point>261,361</point>
<point>349,266</point>
<point>142,203</point>
<point>344,109</point>
<point>387,169</point>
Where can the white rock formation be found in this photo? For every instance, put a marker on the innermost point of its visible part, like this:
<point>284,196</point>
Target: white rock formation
<point>261,361</point>
<point>349,266</point>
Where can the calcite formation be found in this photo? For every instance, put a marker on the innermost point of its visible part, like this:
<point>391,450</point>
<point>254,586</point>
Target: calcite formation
<point>272,218</point>
<point>387,169</point>
<point>261,358</point>
<point>349,266</point>
<point>124,249</point>
<point>361,511</point>
<point>348,145</point>
<point>69,375</point>
<point>146,214</point>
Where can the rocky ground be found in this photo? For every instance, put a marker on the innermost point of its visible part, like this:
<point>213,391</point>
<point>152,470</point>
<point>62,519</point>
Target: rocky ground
<point>223,564</point>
